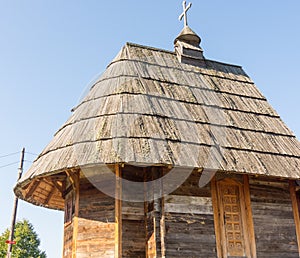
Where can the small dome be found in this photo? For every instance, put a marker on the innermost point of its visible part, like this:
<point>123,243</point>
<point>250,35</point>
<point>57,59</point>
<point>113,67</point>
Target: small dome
<point>187,35</point>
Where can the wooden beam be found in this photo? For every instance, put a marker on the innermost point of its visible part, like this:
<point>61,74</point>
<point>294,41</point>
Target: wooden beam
<point>249,216</point>
<point>25,187</point>
<point>66,191</point>
<point>72,175</point>
<point>118,212</point>
<point>159,222</point>
<point>162,219</point>
<point>246,221</point>
<point>74,179</point>
<point>59,177</point>
<point>295,211</point>
<point>146,211</point>
<point>50,195</point>
<point>162,230</point>
<point>221,218</point>
<point>215,204</point>
<point>34,186</point>
<point>58,186</point>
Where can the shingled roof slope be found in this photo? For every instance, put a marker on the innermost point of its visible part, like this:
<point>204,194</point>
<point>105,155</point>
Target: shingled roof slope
<point>148,108</point>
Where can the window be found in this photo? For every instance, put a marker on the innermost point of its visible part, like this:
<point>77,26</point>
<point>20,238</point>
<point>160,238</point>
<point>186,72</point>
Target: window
<point>69,208</point>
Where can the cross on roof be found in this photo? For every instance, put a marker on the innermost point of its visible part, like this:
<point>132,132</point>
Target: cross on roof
<point>184,14</point>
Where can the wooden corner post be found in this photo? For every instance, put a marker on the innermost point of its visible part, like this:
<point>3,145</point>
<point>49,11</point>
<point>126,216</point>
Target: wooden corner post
<point>158,215</point>
<point>118,212</point>
<point>249,216</point>
<point>217,215</point>
<point>74,177</point>
<point>295,211</point>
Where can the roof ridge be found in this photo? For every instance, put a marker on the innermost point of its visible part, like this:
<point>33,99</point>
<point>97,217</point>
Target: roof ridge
<point>131,44</point>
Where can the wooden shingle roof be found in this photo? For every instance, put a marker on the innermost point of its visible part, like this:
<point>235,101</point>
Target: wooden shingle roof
<point>148,108</point>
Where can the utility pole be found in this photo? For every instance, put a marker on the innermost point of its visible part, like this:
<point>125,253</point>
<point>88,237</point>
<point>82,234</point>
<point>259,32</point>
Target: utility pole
<point>10,241</point>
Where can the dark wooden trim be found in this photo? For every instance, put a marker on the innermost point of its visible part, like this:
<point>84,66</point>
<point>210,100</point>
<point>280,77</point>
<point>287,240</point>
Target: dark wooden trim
<point>118,212</point>
<point>295,211</point>
<point>68,190</point>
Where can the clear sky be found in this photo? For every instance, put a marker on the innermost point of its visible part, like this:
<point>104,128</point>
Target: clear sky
<point>50,50</point>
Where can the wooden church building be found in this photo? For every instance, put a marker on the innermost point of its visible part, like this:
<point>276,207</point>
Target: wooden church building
<point>171,154</point>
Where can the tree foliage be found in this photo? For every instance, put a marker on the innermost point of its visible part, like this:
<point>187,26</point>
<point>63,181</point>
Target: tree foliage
<point>27,245</point>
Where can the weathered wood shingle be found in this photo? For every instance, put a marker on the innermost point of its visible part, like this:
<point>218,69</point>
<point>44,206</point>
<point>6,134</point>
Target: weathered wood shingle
<point>148,108</point>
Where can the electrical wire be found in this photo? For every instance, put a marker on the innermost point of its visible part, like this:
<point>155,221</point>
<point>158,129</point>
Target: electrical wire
<point>31,153</point>
<point>9,164</point>
<point>13,163</point>
<point>10,154</point>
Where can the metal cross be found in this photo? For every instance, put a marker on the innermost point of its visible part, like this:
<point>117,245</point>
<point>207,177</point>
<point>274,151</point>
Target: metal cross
<point>185,9</point>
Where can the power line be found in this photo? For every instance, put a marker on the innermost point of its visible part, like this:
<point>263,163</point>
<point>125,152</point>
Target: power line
<point>34,154</point>
<point>9,164</point>
<point>13,163</point>
<point>10,154</point>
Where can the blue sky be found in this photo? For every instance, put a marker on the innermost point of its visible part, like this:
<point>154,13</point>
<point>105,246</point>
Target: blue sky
<point>51,50</point>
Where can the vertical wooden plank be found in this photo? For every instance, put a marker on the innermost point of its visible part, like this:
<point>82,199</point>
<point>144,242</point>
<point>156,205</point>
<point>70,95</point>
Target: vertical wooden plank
<point>150,216</point>
<point>74,177</point>
<point>118,213</point>
<point>221,221</point>
<point>162,219</point>
<point>245,219</point>
<point>216,210</point>
<point>63,189</point>
<point>249,216</point>
<point>146,210</point>
<point>162,230</point>
<point>295,211</point>
<point>155,218</point>
<point>159,221</point>
<point>76,213</point>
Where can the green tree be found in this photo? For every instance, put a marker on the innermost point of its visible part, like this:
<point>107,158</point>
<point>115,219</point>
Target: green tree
<point>27,245</point>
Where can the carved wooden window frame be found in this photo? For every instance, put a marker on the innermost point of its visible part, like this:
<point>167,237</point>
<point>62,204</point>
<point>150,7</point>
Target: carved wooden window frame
<point>246,221</point>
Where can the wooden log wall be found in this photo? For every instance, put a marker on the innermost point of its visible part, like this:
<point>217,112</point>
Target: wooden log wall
<point>133,219</point>
<point>133,230</point>
<point>189,221</point>
<point>274,225</point>
<point>143,222</point>
<point>96,223</point>
<point>68,238</point>
<point>178,225</point>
